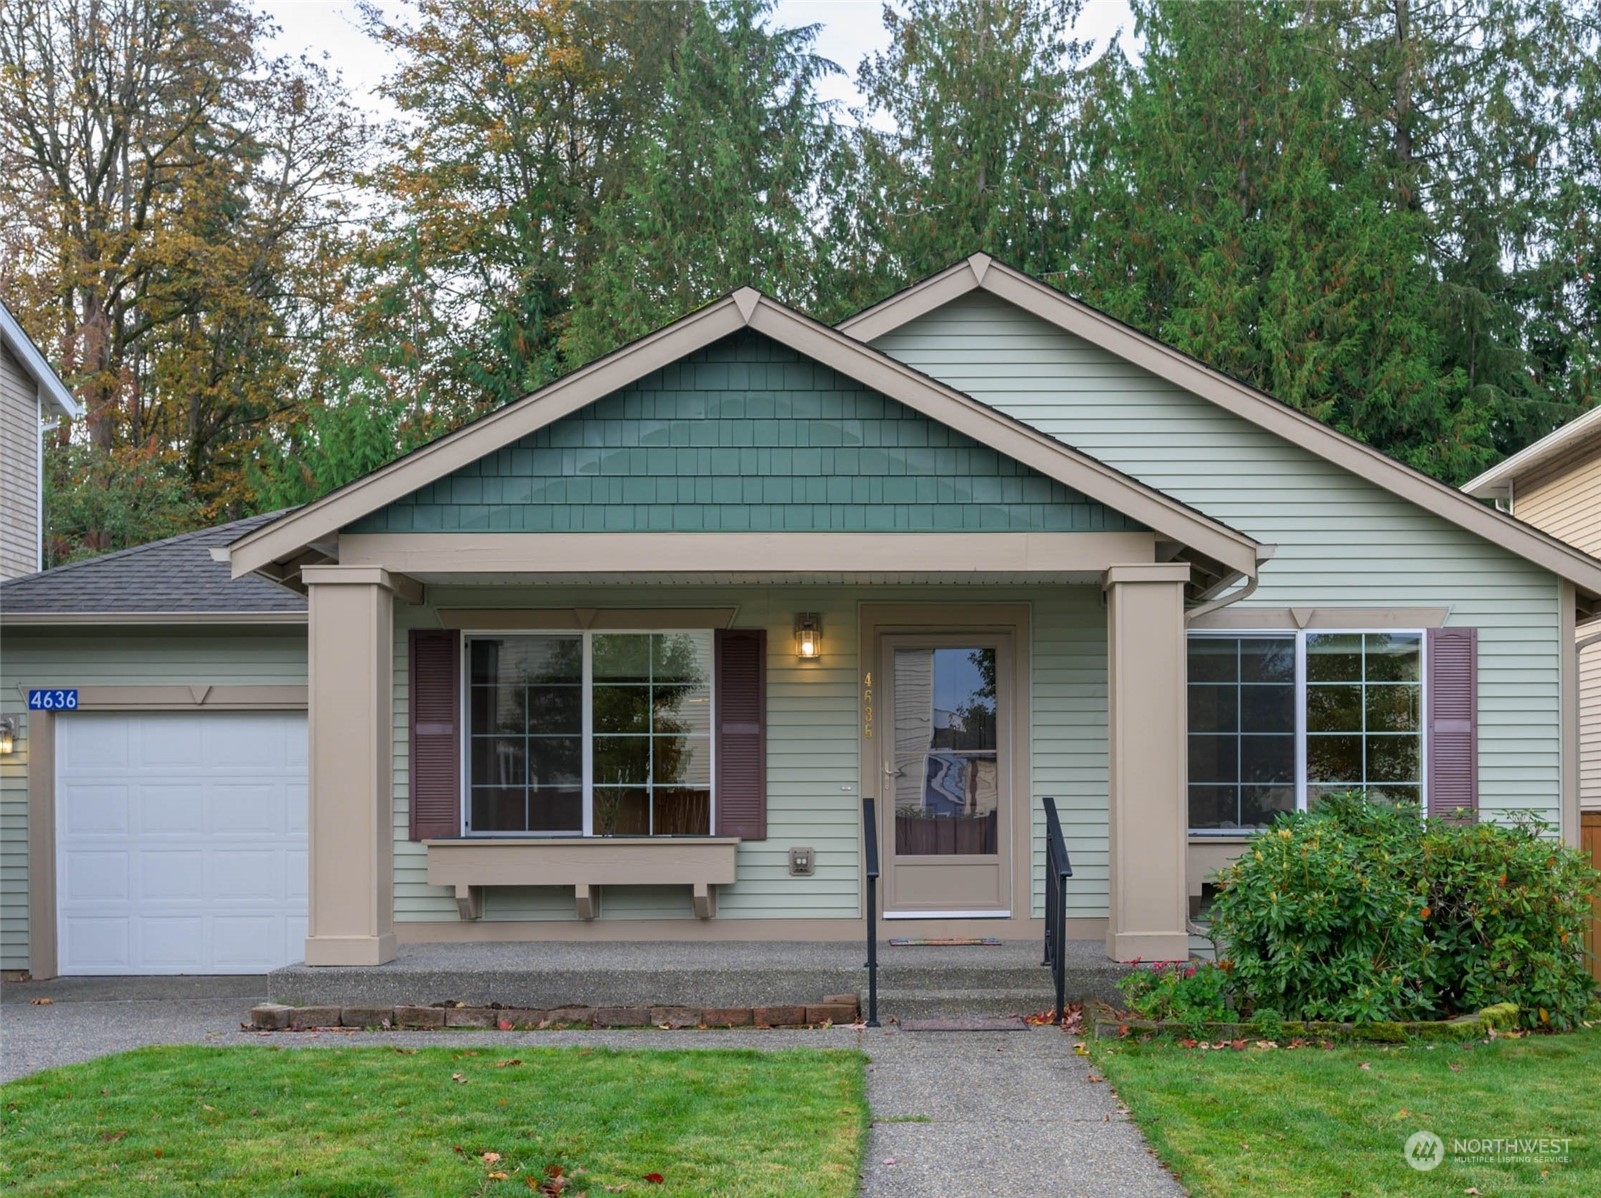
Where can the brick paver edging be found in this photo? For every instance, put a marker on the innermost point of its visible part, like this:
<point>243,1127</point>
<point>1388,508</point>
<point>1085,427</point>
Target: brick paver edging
<point>277,1017</point>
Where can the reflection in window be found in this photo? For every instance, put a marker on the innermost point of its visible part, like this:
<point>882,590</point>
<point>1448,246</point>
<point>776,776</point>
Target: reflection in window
<point>1364,714</point>
<point>1242,730</point>
<point>947,761</point>
<point>645,768</point>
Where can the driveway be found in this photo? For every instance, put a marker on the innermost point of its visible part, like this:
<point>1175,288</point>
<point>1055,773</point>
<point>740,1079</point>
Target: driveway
<point>955,1113</point>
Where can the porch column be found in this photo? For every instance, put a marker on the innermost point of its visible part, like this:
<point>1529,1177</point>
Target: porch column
<point>1147,762</point>
<point>350,646</point>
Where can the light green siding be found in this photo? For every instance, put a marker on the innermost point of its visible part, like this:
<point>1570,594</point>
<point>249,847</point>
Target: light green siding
<point>813,752</point>
<point>112,657</point>
<point>1340,539</point>
<point>745,435</point>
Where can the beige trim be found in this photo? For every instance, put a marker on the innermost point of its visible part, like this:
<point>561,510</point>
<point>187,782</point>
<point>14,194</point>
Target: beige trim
<point>1497,482</point>
<point>655,931</point>
<point>98,619</point>
<point>743,552</point>
<point>42,844</point>
<point>182,698</point>
<point>980,272</point>
<point>515,619</point>
<point>1208,854</point>
<point>361,574</point>
<point>41,780</point>
<point>1568,676</point>
<point>1290,619</point>
<point>1012,620</point>
<point>585,865</point>
<point>349,772</point>
<point>1147,824</point>
<point>288,536</point>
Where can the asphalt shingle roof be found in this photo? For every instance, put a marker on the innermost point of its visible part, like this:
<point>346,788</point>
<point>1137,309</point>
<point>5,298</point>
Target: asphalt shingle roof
<point>174,575</point>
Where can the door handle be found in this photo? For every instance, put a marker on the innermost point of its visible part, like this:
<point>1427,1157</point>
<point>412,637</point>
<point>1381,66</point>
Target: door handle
<point>894,771</point>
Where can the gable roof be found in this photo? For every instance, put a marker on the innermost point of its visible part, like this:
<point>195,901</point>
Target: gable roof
<point>278,548</point>
<point>52,391</point>
<point>983,273</point>
<point>1497,482</point>
<point>176,580</point>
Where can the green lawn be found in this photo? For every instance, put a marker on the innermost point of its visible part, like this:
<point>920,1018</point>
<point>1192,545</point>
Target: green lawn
<point>371,1122</point>
<point>1282,1123</point>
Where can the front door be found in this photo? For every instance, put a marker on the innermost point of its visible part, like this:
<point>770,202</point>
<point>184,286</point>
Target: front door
<point>946,774</point>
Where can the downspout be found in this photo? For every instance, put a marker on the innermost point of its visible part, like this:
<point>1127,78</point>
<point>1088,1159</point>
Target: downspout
<point>1263,555</point>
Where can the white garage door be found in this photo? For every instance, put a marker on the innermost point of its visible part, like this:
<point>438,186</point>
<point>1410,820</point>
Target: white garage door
<point>181,841</point>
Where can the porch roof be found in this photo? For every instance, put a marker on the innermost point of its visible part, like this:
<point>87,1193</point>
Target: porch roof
<point>318,533</point>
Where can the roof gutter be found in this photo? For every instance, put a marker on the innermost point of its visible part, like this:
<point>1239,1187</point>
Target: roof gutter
<point>51,388</point>
<point>1245,592</point>
<point>76,619</point>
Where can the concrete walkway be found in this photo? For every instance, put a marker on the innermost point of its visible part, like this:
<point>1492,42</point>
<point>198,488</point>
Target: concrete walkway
<point>954,1113</point>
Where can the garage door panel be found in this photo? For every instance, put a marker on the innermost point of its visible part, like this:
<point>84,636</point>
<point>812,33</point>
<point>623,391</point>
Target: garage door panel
<point>172,875</point>
<point>238,806</point>
<point>96,943</point>
<point>98,876</point>
<point>168,742</point>
<point>96,809</point>
<point>172,943</point>
<point>239,874</point>
<point>181,841</point>
<point>171,808</point>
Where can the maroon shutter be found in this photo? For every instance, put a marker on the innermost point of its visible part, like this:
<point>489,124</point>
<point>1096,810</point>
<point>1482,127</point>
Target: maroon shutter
<point>435,689</point>
<point>1453,719</point>
<point>741,701</point>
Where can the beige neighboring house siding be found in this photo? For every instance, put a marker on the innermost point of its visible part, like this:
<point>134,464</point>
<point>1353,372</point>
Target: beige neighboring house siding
<point>1563,497</point>
<point>112,657</point>
<point>21,437</point>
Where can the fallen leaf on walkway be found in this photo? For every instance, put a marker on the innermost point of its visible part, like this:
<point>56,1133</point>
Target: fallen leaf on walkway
<point>1080,1050</point>
<point>1094,1077</point>
<point>889,1160</point>
<point>44,1002</point>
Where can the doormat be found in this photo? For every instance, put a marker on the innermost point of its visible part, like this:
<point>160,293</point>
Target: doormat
<point>1007,1023</point>
<point>940,941</point>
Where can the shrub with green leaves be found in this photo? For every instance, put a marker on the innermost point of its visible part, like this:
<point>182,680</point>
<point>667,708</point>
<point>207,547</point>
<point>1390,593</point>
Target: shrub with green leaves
<point>1507,912</point>
<point>1363,911</point>
<point>1322,916</point>
<point>1181,992</point>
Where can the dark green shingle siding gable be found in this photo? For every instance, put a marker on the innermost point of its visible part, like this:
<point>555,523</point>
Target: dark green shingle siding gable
<point>745,435</point>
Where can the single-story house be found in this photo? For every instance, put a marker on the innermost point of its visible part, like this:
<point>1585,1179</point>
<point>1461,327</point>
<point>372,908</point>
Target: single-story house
<point>622,659</point>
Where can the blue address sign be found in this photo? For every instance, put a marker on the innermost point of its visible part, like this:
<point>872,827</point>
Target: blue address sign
<point>56,700</point>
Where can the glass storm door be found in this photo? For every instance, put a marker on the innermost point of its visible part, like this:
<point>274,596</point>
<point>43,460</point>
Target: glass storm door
<point>947,778</point>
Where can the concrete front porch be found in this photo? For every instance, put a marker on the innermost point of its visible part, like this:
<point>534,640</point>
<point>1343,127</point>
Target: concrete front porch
<point>914,982</point>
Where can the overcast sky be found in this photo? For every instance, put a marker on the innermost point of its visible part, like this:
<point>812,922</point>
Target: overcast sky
<point>851,29</point>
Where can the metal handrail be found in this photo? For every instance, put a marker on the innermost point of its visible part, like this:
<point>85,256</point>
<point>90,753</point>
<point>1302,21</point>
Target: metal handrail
<point>870,853</point>
<point>1058,869</point>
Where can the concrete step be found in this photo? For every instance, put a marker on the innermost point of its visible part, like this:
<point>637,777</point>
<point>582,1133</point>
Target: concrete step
<point>933,1004</point>
<point>971,979</point>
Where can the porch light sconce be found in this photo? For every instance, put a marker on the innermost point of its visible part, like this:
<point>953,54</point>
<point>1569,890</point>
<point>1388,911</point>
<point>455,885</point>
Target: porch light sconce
<point>8,733</point>
<point>808,636</point>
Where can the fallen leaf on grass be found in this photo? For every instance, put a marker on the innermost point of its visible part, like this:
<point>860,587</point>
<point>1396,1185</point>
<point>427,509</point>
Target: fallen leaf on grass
<point>1471,1190</point>
<point>1454,1067</point>
<point>456,1077</point>
<point>655,1179</point>
<point>491,1157</point>
<point>111,1137</point>
<point>1364,1065</point>
<point>1080,1050</point>
<point>498,1175</point>
<point>507,1064</point>
<point>406,1052</point>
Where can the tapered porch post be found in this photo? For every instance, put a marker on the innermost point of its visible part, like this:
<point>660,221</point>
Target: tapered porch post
<point>350,643</point>
<point>1148,763</point>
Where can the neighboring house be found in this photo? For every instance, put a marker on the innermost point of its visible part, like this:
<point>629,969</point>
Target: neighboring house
<point>1555,485</point>
<point>596,665</point>
<point>30,392</point>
